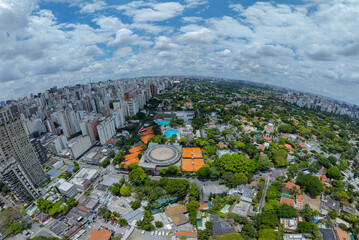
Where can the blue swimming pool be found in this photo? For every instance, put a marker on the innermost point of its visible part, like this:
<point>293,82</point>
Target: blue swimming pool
<point>199,222</point>
<point>170,132</point>
<point>285,195</point>
<point>162,123</point>
<point>225,208</point>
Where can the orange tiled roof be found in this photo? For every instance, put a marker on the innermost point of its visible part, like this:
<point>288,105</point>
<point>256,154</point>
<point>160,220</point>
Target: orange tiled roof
<point>341,234</point>
<point>287,201</point>
<point>290,185</point>
<point>288,146</point>
<point>260,147</point>
<point>268,139</point>
<point>203,206</point>
<point>302,146</point>
<point>285,135</point>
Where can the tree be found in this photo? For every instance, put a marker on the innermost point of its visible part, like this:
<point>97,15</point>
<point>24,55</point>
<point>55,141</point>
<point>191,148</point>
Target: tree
<point>241,178</point>
<point>177,187</point>
<point>335,173</point>
<point>159,224</point>
<point>266,234</point>
<point>122,221</point>
<point>138,176</point>
<point>135,204</point>
<point>125,191</point>
<point>264,163</point>
<point>310,184</point>
<point>203,171</point>
<point>213,172</point>
<point>285,128</point>
<point>170,171</point>
<point>231,236</point>
<point>333,214</point>
<point>194,192</point>
<point>105,163</point>
<point>266,220</point>
<point>229,179</point>
<point>236,163</point>
<point>183,140</point>
<point>286,211</point>
<point>280,161</point>
<point>157,130</point>
<point>16,227</point>
<point>307,227</point>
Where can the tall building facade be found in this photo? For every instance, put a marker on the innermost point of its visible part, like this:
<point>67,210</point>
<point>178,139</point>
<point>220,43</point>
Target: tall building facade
<point>39,150</point>
<point>50,126</point>
<point>19,160</point>
<point>12,174</point>
<point>106,129</point>
<point>65,123</point>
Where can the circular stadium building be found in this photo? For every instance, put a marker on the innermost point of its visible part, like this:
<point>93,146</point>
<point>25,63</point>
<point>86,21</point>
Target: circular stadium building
<point>160,155</point>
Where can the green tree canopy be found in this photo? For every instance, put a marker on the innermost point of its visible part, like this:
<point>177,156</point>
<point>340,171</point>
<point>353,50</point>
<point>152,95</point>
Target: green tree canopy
<point>236,163</point>
<point>138,176</point>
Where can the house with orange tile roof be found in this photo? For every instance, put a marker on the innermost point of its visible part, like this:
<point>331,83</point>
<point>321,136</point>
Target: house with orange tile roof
<point>341,234</point>
<point>285,135</point>
<point>295,200</point>
<point>203,207</point>
<point>301,138</point>
<point>267,139</point>
<point>261,147</point>
<point>288,147</point>
<point>302,146</point>
<point>221,145</point>
<point>289,186</point>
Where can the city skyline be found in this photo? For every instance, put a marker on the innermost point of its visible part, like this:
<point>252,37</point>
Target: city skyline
<point>297,45</point>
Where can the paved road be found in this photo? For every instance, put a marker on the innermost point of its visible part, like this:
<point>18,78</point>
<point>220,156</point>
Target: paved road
<point>6,201</point>
<point>264,193</point>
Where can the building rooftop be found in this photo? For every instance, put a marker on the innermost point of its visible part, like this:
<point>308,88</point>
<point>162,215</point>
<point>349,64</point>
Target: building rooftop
<point>102,234</point>
<point>341,234</point>
<point>65,186</point>
<point>214,189</point>
<point>176,210</point>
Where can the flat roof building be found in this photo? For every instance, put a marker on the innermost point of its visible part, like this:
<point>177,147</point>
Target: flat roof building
<point>66,188</point>
<point>84,177</point>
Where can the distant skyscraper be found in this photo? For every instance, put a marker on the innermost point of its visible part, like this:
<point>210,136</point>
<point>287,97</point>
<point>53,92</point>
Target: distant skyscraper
<point>65,123</point>
<point>106,129</point>
<point>19,162</point>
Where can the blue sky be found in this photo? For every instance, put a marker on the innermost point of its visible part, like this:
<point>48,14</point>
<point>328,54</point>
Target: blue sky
<point>309,45</point>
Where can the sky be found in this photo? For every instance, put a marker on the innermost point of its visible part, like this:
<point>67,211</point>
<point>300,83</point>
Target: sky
<point>308,45</point>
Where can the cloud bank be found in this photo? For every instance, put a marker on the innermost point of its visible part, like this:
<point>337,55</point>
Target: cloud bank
<point>311,46</point>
